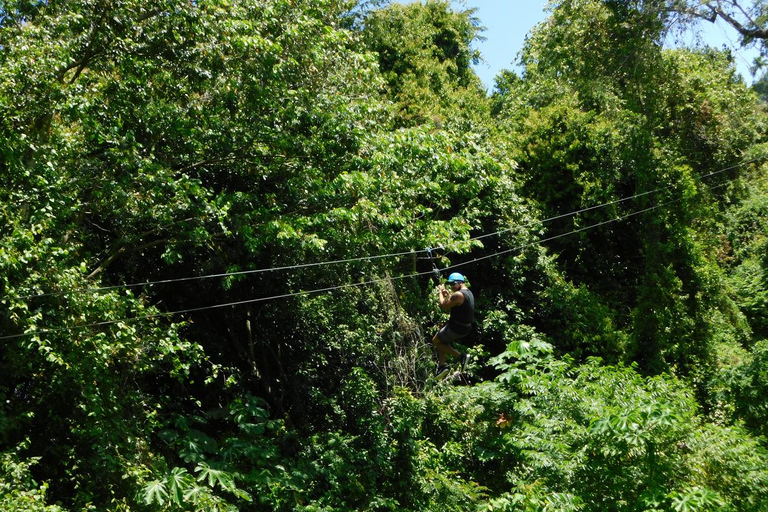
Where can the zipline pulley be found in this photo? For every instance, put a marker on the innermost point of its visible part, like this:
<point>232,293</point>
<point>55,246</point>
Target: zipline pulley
<point>432,258</point>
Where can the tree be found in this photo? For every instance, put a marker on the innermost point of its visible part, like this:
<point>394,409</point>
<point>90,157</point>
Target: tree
<point>140,143</point>
<point>213,228</point>
<point>604,115</point>
<point>760,86</point>
<point>425,55</point>
<point>745,254</point>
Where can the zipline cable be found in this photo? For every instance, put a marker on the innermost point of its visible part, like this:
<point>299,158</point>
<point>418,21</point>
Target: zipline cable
<point>369,258</point>
<point>338,287</point>
<point>579,230</point>
<point>575,231</point>
<point>224,274</point>
<point>621,200</point>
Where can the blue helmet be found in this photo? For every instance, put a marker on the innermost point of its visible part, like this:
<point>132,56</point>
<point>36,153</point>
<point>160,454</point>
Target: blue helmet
<point>456,278</point>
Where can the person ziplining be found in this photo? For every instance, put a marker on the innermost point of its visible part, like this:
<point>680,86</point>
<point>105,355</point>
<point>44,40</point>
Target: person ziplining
<point>461,304</point>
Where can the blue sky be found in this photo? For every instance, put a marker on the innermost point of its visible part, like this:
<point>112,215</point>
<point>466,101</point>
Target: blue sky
<point>508,21</point>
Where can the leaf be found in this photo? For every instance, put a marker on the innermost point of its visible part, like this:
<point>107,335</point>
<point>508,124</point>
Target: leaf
<point>194,493</point>
<point>179,481</point>
<point>155,493</point>
<point>213,476</point>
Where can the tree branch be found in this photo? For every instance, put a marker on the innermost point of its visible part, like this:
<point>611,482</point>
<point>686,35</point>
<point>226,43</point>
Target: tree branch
<point>80,64</point>
<point>743,11</point>
<point>123,249</point>
<point>89,51</point>
<point>216,160</point>
<point>717,10</point>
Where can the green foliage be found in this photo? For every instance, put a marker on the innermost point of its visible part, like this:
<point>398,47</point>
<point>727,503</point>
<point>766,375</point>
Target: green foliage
<point>76,393</point>
<point>716,452</point>
<point>760,86</point>
<point>424,52</point>
<point>175,142</point>
<point>606,50</point>
<point>743,389</point>
<point>18,491</point>
<point>746,252</point>
<point>581,323</point>
<point>601,437</point>
<point>710,116</point>
<point>147,128</point>
<point>593,124</point>
<point>240,466</point>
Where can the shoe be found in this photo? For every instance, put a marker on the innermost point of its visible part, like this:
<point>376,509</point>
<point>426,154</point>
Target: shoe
<point>464,360</point>
<point>441,372</point>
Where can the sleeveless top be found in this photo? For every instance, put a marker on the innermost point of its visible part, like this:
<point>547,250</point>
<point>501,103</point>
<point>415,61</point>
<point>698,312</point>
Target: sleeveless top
<point>462,316</point>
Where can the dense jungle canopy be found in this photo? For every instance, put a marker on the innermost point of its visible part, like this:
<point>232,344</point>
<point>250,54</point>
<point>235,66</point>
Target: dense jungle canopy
<point>219,221</point>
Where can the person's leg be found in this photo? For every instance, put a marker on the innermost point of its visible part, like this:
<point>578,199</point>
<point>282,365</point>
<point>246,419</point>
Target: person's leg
<point>442,349</point>
<point>440,354</point>
<point>448,349</point>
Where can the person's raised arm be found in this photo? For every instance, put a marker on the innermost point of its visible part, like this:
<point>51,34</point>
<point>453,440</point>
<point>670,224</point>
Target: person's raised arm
<point>448,300</point>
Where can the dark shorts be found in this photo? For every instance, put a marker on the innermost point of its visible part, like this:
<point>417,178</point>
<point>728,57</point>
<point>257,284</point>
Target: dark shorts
<point>447,336</point>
